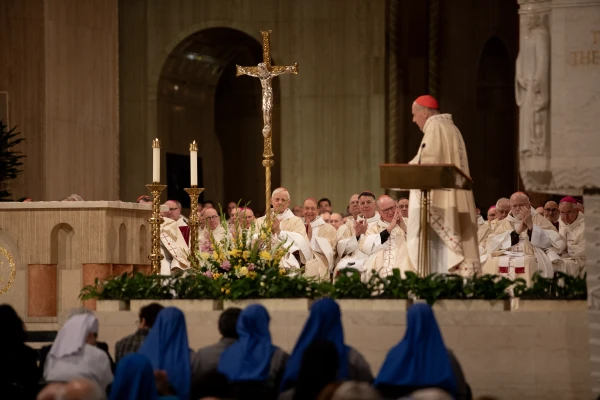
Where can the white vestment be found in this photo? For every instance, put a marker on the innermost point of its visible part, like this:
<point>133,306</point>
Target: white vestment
<point>173,247</point>
<point>529,255</point>
<point>574,255</point>
<point>387,256</point>
<point>293,233</point>
<point>452,231</point>
<point>218,234</point>
<point>322,244</point>
<point>181,221</point>
<point>347,247</point>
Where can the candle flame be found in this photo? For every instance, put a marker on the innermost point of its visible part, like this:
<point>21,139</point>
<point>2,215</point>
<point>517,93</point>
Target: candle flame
<point>193,146</point>
<point>156,144</point>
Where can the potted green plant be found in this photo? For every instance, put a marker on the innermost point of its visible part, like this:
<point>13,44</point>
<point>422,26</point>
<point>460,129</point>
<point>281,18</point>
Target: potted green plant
<point>389,293</point>
<point>110,295</point>
<point>561,292</point>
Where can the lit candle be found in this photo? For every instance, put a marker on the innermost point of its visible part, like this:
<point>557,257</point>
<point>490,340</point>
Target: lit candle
<point>194,163</point>
<point>155,161</point>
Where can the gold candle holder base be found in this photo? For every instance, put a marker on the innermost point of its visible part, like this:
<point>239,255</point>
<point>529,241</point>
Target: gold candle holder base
<point>155,221</point>
<point>194,221</point>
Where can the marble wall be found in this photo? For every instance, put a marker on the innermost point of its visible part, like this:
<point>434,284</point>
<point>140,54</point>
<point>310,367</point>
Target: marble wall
<point>332,113</point>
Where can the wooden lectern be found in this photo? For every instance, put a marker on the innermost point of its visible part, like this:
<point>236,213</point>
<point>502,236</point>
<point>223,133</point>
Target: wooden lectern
<point>423,177</point>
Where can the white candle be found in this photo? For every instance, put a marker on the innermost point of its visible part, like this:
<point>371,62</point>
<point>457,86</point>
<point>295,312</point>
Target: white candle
<point>155,161</point>
<point>194,163</point>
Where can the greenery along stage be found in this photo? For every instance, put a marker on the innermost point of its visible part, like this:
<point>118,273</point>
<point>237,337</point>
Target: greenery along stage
<point>273,284</point>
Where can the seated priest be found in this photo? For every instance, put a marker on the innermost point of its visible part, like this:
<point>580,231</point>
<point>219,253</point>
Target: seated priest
<point>322,240</point>
<point>336,220</point>
<point>174,212</point>
<point>484,229</point>
<point>402,205</point>
<point>173,247</point>
<point>551,213</point>
<point>213,227</point>
<point>287,228</point>
<point>385,242</point>
<point>523,243</point>
<point>348,239</point>
<point>572,228</point>
<point>500,211</point>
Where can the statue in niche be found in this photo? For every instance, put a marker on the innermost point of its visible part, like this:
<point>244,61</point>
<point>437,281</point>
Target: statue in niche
<point>532,86</point>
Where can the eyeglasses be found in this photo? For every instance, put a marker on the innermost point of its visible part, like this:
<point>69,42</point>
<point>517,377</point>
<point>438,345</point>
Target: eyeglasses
<point>212,217</point>
<point>551,210</point>
<point>173,209</point>
<point>391,209</point>
<point>354,202</point>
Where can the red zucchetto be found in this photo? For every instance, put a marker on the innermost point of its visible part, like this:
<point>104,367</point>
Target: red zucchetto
<point>568,199</point>
<point>427,101</point>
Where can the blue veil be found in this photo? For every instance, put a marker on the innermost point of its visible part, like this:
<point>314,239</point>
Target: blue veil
<point>134,379</point>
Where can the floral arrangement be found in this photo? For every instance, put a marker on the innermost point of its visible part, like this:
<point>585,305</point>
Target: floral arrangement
<point>241,253</point>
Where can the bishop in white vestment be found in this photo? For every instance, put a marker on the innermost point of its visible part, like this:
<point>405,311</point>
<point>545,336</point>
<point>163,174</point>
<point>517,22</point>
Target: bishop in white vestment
<point>452,236</point>
<point>213,227</point>
<point>385,242</point>
<point>289,229</point>
<point>523,243</point>
<point>173,247</point>
<point>572,228</point>
<point>322,241</point>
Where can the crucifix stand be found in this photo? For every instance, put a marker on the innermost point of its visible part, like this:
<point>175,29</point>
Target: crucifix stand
<point>266,72</point>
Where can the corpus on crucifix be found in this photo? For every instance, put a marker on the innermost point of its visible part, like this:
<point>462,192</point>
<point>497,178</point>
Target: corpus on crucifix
<point>266,72</point>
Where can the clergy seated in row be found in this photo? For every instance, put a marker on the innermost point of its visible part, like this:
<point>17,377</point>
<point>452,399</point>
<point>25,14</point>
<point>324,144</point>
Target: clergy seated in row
<point>336,220</point>
<point>552,213</point>
<point>523,243</point>
<point>174,212</point>
<point>485,228</point>
<point>572,229</point>
<point>385,242</point>
<point>242,215</point>
<point>173,247</point>
<point>499,211</point>
<point>402,205</point>
<point>287,229</point>
<point>213,231</point>
<point>322,242</point>
<point>349,235</point>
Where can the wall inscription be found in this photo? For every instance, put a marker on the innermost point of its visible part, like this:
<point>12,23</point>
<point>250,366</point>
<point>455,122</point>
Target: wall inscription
<point>586,57</point>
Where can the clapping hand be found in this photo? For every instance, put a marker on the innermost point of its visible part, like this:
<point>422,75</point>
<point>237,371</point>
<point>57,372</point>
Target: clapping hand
<point>276,227</point>
<point>360,227</point>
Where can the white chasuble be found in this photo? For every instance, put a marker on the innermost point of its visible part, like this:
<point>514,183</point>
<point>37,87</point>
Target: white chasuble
<point>322,244</point>
<point>173,246</point>
<point>452,235</point>
<point>383,258</point>
<point>574,255</point>
<point>293,233</point>
<point>347,247</point>
<point>528,255</point>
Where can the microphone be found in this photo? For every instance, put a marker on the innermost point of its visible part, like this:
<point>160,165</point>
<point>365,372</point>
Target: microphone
<point>421,152</point>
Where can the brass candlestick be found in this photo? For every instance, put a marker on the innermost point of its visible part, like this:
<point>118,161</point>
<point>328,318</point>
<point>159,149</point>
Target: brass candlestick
<point>155,255</point>
<point>194,221</point>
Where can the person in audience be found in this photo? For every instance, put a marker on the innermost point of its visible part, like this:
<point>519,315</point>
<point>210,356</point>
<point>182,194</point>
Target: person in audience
<point>289,229</point>
<point>552,213</point>
<point>324,205</point>
<point>253,365</point>
<point>166,346</point>
<point>133,342</point>
<point>355,391</point>
<point>206,359</point>
<point>431,394</point>
<point>336,220</point>
<point>19,373</point>
<point>325,323</point>
<point>144,200</point>
<point>403,207</point>
<point>319,368</point>
<point>523,243</point>
<point>298,211</point>
<point>326,215</point>
<point>74,354</point>
<point>572,228</point>
<point>77,389</point>
<point>135,379</point>
<point>322,242</point>
<point>421,360</point>
<point>385,242</point>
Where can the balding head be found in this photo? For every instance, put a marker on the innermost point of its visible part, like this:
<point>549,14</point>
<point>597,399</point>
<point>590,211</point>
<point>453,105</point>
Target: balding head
<point>211,218</point>
<point>387,208</point>
<point>551,211</point>
<point>81,389</point>
<point>174,210</point>
<point>502,208</point>
<point>354,205</point>
<point>519,204</point>
<point>336,220</point>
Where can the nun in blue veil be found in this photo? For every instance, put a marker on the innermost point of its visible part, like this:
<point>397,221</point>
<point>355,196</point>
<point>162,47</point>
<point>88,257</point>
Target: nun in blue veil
<point>166,346</point>
<point>253,365</point>
<point>325,324</point>
<point>420,360</point>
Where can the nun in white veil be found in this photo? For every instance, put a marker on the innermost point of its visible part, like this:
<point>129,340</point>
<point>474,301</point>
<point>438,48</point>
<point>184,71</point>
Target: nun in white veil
<point>74,354</point>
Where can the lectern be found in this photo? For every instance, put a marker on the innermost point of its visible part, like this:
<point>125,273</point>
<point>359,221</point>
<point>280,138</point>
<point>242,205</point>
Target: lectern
<point>424,177</point>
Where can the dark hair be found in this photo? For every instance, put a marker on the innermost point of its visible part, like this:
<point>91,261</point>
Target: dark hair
<point>228,322</point>
<point>208,202</point>
<point>13,331</point>
<point>149,313</point>
<point>367,194</point>
<point>319,366</point>
<point>324,199</point>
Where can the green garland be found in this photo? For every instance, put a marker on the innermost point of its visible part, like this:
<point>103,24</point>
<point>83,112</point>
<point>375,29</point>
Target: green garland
<point>273,284</point>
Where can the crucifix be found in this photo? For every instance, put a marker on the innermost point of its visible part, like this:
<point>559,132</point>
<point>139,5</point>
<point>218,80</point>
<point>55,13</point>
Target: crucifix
<point>266,72</point>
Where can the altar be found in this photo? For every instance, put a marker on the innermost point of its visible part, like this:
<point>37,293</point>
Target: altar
<point>50,250</point>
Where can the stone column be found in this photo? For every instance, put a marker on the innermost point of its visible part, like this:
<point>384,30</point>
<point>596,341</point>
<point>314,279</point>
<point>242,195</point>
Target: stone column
<point>41,290</point>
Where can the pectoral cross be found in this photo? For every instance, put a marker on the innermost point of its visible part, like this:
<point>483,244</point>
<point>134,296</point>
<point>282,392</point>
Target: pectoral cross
<point>266,72</point>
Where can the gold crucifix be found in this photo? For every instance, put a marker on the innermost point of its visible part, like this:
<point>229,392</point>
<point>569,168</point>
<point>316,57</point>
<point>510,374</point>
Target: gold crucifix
<point>266,72</point>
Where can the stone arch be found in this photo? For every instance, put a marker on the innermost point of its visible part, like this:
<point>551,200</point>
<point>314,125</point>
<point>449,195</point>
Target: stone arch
<point>62,247</point>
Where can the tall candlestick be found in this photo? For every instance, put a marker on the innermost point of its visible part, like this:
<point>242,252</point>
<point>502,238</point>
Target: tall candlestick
<point>194,164</point>
<point>155,161</point>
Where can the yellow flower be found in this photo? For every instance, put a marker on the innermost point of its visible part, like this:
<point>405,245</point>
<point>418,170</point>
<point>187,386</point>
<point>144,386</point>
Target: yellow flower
<point>215,255</point>
<point>246,254</point>
<point>222,289</point>
<point>204,255</point>
<point>265,255</point>
<point>243,271</point>
<point>263,236</point>
<point>252,274</point>
<point>281,271</point>
<point>216,275</point>
<point>227,291</point>
<point>234,253</point>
